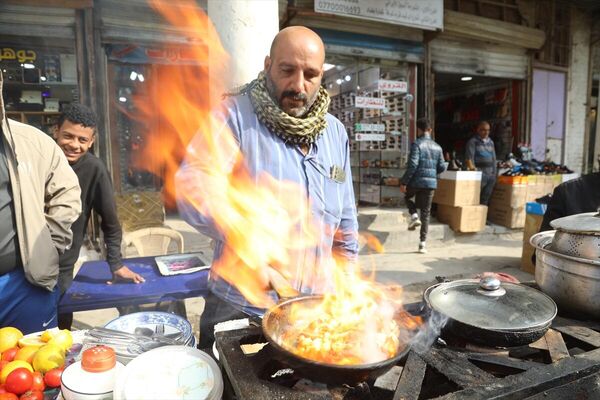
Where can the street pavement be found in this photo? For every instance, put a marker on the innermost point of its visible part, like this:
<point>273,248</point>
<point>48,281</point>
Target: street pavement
<point>464,258</point>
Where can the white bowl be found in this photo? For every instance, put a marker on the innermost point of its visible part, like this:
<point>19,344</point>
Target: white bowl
<point>79,384</point>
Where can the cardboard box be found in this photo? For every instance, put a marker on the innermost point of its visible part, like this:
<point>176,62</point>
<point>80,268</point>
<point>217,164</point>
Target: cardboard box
<point>510,217</point>
<point>458,188</point>
<point>509,195</point>
<point>533,222</point>
<point>534,191</point>
<point>463,219</point>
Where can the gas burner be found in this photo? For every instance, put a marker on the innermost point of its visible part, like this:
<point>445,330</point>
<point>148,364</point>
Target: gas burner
<point>451,366</point>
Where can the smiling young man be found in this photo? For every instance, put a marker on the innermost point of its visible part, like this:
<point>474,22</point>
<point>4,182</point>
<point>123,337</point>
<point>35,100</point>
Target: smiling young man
<point>75,135</point>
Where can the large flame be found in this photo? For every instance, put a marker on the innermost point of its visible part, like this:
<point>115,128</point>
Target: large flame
<point>260,223</point>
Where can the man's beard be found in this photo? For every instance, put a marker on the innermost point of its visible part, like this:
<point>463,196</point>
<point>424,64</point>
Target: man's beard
<point>297,112</point>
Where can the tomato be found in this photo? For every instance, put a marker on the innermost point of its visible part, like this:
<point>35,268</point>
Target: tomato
<point>52,377</point>
<point>2,389</point>
<point>19,381</point>
<point>38,382</point>
<point>9,354</point>
<point>8,396</point>
<point>32,395</point>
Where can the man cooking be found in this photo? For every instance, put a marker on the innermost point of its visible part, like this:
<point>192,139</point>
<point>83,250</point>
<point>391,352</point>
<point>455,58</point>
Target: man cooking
<point>282,127</point>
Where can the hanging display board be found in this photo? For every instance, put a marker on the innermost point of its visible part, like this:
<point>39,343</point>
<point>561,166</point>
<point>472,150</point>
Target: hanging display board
<point>422,14</point>
<point>376,103</point>
<point>392,86</point>
<point>376,137</point>
<point>369,127</point>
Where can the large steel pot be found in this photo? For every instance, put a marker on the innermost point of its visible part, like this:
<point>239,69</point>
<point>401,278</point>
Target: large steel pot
<point>578,236</point>
<point>276,322</point>
<point>573,282</point>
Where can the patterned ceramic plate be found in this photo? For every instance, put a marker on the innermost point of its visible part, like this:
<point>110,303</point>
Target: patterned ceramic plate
<point>150,319</point>
<point>170,372</point>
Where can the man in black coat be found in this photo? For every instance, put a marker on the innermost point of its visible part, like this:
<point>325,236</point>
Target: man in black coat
<point>573,197</point>
<point>75,135</point>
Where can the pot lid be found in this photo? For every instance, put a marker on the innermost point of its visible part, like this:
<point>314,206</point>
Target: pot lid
<point>579,223</point>
<point>493,305</point>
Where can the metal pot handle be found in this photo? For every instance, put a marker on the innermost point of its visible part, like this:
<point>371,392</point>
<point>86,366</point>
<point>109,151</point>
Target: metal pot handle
<point>491,286</point>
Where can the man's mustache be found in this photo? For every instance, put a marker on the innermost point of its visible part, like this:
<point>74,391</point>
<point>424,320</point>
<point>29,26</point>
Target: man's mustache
<point>294,96</point>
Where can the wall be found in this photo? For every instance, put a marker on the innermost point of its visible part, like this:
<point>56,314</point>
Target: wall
<point>247,29</point>
<point>577,90</point>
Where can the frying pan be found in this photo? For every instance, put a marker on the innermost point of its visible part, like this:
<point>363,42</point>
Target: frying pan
<point>275,323</point>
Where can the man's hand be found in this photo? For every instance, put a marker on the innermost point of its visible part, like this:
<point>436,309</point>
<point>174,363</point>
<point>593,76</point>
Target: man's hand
<point>403,188</point>
<point>125,274</point>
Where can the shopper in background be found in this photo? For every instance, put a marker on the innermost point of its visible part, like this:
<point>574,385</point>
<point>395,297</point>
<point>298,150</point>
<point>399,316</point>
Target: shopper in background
<point>75,135</point>
<point>39,200</point>
<point>480,154</point>
<point>425,162</point>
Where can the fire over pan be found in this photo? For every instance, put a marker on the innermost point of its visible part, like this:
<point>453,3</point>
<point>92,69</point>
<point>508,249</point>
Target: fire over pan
<point>492,313</point>
<point>275,323</point>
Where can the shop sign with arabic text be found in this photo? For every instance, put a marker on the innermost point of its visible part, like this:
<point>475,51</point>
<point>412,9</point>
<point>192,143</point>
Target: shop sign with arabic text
<point>377,103</point>
<point>21,56</point>
<point>422,14</point>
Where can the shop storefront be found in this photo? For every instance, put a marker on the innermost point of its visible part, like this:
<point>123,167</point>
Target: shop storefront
<point>475,83</point>
<point>38,62</point>
<point>481,71</point>
<point>374,98</point>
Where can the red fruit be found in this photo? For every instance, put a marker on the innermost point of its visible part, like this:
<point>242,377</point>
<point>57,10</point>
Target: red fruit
<point>2,389</point>
<point>9,354</point>
<point>8,396</point>
<point>19,381</point>
<point>32,395</point>
<point>52,377</point>
<point>38,382</point>
<point>3,363</point>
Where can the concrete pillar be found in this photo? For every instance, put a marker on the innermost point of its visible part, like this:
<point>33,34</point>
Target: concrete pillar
<point>246,29</point>
<point>577,90</point>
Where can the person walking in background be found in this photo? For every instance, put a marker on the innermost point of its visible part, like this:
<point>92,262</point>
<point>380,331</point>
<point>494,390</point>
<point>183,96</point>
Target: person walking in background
<point>425,162</point>
<point>481,154</point>
<point>75,135</point>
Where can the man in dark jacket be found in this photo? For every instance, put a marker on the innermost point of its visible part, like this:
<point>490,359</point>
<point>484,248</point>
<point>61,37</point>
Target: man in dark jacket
<point>573,197</point>
<point>75,135</point>
<point>425,162</point>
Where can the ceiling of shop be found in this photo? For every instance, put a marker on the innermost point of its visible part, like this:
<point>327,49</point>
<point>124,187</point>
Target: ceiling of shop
<point>450,84</point>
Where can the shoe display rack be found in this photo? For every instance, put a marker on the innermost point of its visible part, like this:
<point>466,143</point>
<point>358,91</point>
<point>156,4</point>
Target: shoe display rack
<point>376,122</point>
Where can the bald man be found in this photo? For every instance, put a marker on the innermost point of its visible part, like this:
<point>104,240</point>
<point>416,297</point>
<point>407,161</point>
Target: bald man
<point>281,123</point>
<point>481,153</point>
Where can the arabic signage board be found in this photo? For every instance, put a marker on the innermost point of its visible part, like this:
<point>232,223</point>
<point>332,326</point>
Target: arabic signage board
<point>22,56</point>
<point>422,14</point>
<point>375,137</point>
<point>369,128</point>
<point>376,103</point>
<point>392,86</point>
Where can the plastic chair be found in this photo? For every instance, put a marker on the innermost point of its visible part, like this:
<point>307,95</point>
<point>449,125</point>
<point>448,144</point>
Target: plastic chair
<point>154,241</point>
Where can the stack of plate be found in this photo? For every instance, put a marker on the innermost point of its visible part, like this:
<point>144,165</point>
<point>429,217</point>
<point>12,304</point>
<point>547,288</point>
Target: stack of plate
<point>173,325</point>
<point>170,372</point>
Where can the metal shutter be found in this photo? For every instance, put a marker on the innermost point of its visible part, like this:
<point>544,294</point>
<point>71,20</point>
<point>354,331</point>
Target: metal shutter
<point>473,58</point>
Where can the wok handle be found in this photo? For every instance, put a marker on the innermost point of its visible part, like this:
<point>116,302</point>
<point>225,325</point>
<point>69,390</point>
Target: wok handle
<point>281,285</point>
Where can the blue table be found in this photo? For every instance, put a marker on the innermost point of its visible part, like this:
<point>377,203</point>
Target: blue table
<point>89,290</point>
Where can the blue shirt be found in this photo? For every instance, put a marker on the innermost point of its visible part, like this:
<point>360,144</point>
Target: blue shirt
<point>482,153</point>
<point>330,203</point>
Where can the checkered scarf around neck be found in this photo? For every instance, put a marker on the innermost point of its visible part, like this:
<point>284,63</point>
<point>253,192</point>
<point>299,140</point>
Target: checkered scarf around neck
<point>304,130</point>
